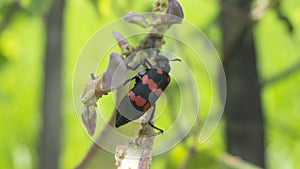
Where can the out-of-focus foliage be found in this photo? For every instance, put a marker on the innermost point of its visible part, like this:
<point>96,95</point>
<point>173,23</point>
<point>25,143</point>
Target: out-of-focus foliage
<point>21,82</point>
<point>279,49</point>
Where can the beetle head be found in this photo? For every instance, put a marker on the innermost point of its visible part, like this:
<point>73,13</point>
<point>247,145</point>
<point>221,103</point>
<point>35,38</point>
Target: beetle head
<point>163,63</point>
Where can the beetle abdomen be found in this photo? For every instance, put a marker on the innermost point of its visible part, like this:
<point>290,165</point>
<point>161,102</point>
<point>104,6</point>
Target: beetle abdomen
<point>142,96</point>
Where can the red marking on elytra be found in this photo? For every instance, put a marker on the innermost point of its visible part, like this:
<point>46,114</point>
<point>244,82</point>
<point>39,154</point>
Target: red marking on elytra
<point>151,84</point>
<point>139,101</point>
<point>146,107</point>
<point>168,79</point>
<point>159,71</point>
<point>131,95</point>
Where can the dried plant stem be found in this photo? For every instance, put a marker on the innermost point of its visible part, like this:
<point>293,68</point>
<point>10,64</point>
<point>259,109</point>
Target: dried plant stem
<point>136,154</point>
<point>95,146</point>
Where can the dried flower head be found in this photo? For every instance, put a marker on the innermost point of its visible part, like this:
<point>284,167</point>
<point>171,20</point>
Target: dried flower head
<point>99,86</point>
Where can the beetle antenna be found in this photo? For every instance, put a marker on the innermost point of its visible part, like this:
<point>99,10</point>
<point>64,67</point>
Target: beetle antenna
<point>179,60</point>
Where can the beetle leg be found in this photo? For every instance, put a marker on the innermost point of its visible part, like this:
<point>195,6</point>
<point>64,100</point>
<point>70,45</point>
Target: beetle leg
<point>135,67</point>
<point>146,64</point>
<point>150,121</point>
<point>152,125</point>
<point>137,78</point>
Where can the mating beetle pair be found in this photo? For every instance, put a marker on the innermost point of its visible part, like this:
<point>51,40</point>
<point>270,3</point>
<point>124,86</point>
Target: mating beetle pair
<point>149,85</point>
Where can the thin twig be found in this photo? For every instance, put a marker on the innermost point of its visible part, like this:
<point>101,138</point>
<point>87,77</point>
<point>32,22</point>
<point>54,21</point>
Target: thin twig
<point>100,138</point>
<point>192,149</point>
<point>95,146</point>
<point>284,18</point>
<point>282,75</point>
<point>250,19</point>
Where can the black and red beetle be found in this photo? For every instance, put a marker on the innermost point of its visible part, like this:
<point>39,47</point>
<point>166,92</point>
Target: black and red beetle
<point>149,85</point>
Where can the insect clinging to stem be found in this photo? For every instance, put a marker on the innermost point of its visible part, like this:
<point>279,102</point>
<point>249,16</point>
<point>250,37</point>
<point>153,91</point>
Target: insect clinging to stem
<point>149,85</point>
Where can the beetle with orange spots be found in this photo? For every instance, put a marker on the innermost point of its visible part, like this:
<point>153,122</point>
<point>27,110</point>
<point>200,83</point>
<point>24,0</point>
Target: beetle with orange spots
<point>149,85</point>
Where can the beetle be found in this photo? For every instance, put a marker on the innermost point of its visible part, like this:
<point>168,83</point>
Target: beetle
<point>149,85</point>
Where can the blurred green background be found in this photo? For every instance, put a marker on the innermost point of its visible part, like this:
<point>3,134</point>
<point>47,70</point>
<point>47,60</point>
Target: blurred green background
<point>22,55</point>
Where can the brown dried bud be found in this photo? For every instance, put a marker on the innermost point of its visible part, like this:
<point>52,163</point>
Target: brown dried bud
<point>174,8</point>
<point>89,118</point>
